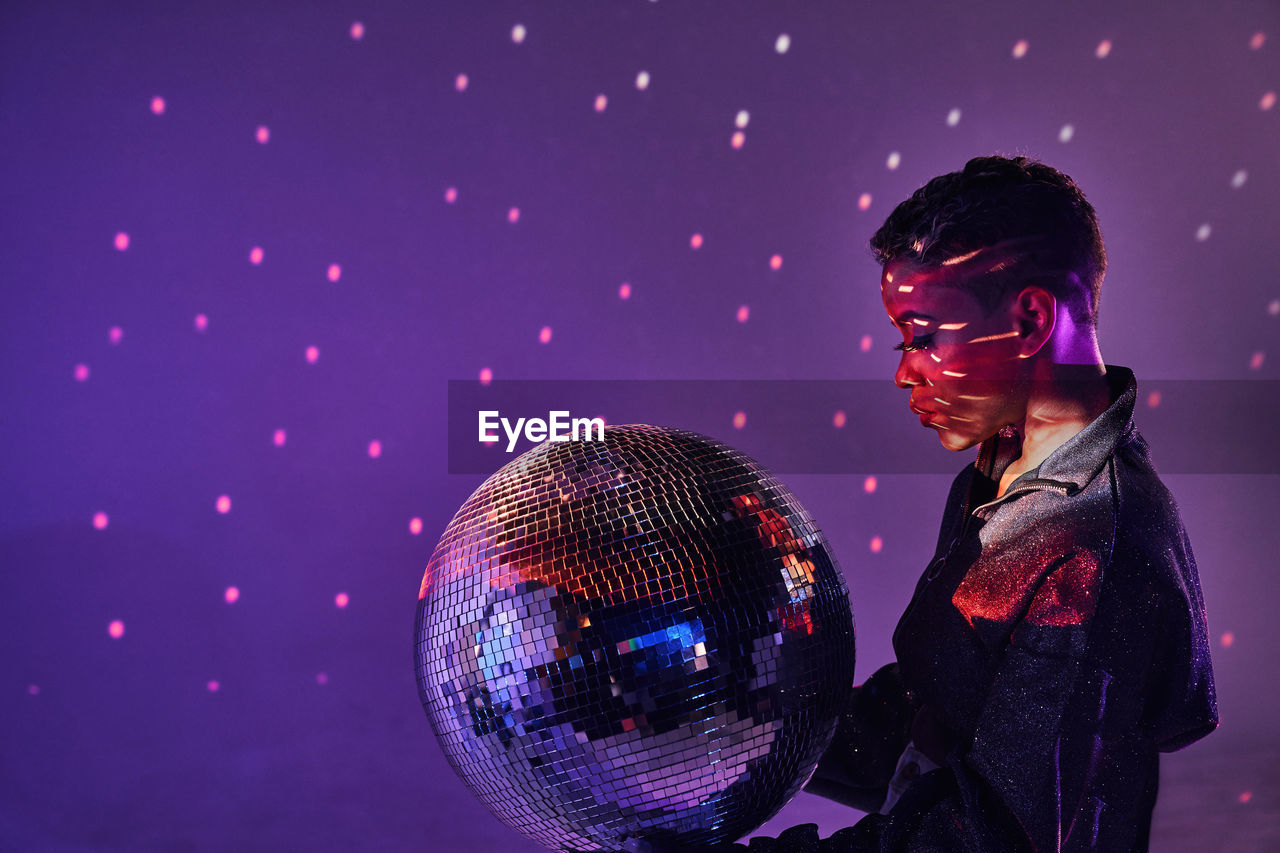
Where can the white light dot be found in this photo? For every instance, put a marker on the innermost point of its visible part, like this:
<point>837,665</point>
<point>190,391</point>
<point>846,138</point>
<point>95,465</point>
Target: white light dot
<point>1066,133</point>
<point>544,335</point>
<point>279,437</point>
<point>865,343</point>
<point>223,504</point>
<point>876,544</point>
<point>895,159</point>
<point>116,629</point>
<point>1255,360</point>
<point>81,372</point>
<point>695,242</point>
<point>1019,48</point>
<point>513,215</point>
<point>1268,101</point>
<point>953,117</point>
<point>1257,40</point>
<point>839,419</point>
<point>115,334</point>
<point>335,272</point>
<point>313,354</point>
<point>262,134</point>
<point>783,44</point>
<point>201,322</point>
<point>122,241</point>
<point>738,139</point>
<point>744,313</point>
<point>1238,179</point>
<point>357,31</point>
<point>1203,232</point>
<point>231,595</point>
<point>100,520</point>
<point>157,105</point>
<point>739,420</point>
<point>342,600</point>
<point>624,291</point>
<point>1104,49</point>
<point>451,195</point>
<point>212,686</point>
<point>415,526</point>
<point>601,103</point>
<point>460,82</point>
<point>375,449</point>
<point>741,119</point>
<point>518,33</point>
<point>255,255</point>
<point>486,376</point>
<point>642,80</point>
<point>1273,307</point>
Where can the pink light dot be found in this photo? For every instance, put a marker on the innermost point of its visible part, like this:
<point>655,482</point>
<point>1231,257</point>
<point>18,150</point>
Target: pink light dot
<point>451,195</point>
<point>839,419</point>
<point>1227,639</point>
<point>232,595</point>
<point>116,629</point>
<point>460,83</point>
<point>100,521</point>
<point>544,336</point>
<point>224,504</point>
<point>415,525</point>
<point>201,322</point>
<point>255,255</point>
<point>864,201</point>
<point>1104,49</point>
<point>865,343</point>
<point>486,376</point>
<point>213,686</point>
<point>744,313</point>
<point>342,600</point>
<point>624,291</point>
<point>513,215</point>
<point>157,105</point>
<point>1153,399</point>
<point>695,241</point>
<point>1268,101</point>
<point>1258,40</point>
<point>115,334</point>
<point>601,103</point>
<point>122,241</point>
<point>357,31</point>
<point>1246,796</point>
<point>82,372</point>
<point>869,485</point>
<point>375,449</point>
<point>775,263</point>
<point>313,355</point>
<point>278,438</point>
<point>876,544</point>
<point>1255,360</point>
<point>738,139</point>
<point>322,678</point>
<point>1020,48</point>
<point>334,272</point>
<point>262,134</point>
<point>33,689</point>
<point>739,420</point>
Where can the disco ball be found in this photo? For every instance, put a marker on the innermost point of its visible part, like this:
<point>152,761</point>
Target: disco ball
<point>644,638</point>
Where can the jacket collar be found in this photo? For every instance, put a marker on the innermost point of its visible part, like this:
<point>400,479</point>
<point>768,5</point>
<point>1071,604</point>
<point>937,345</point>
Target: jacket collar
<point>1078,459</point>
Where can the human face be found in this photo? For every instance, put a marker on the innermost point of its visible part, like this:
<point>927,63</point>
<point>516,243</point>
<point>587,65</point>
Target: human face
<point>966,371</point>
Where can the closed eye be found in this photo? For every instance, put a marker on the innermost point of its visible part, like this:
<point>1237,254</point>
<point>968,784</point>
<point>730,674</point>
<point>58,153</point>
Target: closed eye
<point>919,343</point>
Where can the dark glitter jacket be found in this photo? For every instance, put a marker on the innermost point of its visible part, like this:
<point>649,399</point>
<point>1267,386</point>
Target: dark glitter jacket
<point>1059,641</point>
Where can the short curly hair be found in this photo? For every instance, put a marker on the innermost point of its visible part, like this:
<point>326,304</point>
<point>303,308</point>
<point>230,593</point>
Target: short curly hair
<point>994,200</point>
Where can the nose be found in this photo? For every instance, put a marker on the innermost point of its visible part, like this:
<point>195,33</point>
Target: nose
<point>906,376</point>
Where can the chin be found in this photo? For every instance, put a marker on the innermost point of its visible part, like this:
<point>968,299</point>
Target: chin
<point>953,441</point>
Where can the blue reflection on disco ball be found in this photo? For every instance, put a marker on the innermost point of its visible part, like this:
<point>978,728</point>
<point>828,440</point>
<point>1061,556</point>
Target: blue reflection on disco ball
<point>645,637</point>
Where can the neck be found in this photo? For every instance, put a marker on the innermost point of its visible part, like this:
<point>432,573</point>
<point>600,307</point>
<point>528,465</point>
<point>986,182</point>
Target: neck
<point>1062,399</point>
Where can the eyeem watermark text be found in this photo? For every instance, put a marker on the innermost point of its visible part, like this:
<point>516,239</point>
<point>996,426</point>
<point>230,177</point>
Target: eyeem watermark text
<point>536,429</point>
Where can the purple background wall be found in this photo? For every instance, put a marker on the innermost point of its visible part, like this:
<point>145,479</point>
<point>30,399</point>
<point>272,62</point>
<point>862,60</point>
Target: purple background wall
<point>283,721</point>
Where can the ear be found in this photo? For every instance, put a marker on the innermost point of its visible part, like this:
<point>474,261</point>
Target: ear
<point>1035,312</point>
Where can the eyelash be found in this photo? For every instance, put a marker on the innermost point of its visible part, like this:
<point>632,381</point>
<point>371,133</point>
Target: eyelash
<point>917,344</point>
